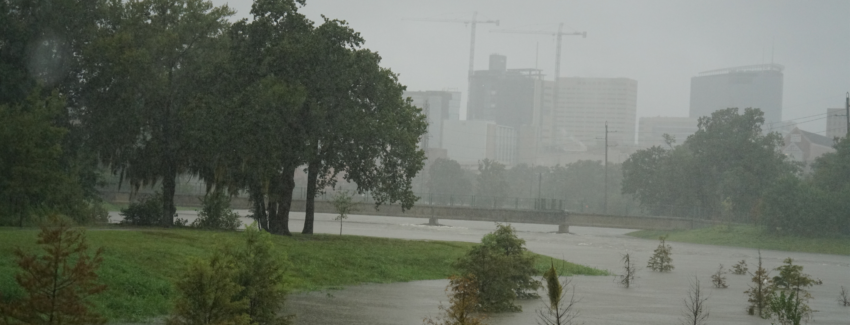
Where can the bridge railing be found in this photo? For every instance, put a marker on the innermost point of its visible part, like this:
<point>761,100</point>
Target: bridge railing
<point>192,187</point>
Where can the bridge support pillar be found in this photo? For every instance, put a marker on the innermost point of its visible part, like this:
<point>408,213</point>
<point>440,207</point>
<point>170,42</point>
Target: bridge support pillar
<point>563,228</point>
<point>433,221</point>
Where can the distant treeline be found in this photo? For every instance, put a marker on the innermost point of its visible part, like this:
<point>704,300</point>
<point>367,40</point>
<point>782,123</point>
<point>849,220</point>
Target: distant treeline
<point>731,170</point>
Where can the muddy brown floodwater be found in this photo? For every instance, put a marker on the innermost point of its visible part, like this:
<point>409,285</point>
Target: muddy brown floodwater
<point>654,298</point>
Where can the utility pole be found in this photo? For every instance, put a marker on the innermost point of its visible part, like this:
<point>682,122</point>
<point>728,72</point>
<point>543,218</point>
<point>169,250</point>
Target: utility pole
<point>847,113</point>
<point>539,183</point>
<point>605,208</point>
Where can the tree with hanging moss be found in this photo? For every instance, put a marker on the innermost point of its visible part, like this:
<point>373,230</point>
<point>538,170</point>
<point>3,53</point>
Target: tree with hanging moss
<point>661,260</point>
<point>559,310</point>
<point>463,301</point>
<point>57,285</point>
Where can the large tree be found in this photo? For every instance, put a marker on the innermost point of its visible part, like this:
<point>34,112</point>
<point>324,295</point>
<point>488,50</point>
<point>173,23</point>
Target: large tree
<point>722,169</point>
<point>41,62</point>
<point>356,122</point>
<point>446,177</point>
<point>257,139</point>
<point>148,74</point>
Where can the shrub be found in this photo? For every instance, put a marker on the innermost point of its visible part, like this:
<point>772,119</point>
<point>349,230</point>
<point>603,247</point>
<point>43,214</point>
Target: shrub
<point>661,260</point>
<point>740,268</point>
<point>146,212</point>
<point>792,303</point>
<point>244,285</point>
<point>261,275</point>
<point>58,284</point>
<point>463,300</point>
<point>502,268</point>
<point>718,279</point>
<point>843,297</point>
<point>786,310</point>
<point>206,294</point>
<point>215,212</point>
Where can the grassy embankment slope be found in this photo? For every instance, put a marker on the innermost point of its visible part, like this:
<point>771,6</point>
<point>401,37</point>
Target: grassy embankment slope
<point>140,265</point>
<point>752,237</point>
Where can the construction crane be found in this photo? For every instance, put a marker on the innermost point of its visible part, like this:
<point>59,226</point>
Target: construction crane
<point>472,23</point>
<point>559,34</point>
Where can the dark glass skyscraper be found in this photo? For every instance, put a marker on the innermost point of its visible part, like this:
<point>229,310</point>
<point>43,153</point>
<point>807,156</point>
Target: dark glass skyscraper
<point>756,86</point>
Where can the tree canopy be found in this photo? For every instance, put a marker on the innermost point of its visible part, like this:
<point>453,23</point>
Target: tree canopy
<point>727,165</point>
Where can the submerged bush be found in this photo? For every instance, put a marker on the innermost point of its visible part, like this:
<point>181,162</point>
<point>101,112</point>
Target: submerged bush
<point>215,212</point>
<point>503,269</point>
<point>146,212</point>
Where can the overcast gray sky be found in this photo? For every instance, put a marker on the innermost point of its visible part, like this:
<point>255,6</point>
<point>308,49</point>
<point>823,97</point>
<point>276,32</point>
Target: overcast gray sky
<point>661,44</point>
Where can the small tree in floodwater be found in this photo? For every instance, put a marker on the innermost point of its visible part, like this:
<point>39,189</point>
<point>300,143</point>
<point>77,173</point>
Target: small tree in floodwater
<point>740,268</point>
<point>503,270</point>
<point>558,310</point>
<point>843,297</point>
<point>463,302</point>
<point>344,205</point>
<point>58,284</point>
<point>718,279</point>
<point>627,278</point>
<point>696,312</point>
<point>790,306</point>
<point>759,291</point>
<point>661,260</point>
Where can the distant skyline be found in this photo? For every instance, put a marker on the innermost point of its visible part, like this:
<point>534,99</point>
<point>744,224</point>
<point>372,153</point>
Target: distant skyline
<point>661,44</point>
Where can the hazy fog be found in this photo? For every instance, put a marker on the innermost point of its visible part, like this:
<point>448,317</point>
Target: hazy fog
<point>661,44</point>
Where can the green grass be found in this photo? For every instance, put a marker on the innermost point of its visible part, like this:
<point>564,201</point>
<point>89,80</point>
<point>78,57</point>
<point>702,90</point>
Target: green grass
<point>141,264</point>
<point>752,237</point>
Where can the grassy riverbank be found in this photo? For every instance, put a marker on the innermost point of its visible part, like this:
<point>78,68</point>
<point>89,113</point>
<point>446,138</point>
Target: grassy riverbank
<point>141,264</point>
<point>752,237</point>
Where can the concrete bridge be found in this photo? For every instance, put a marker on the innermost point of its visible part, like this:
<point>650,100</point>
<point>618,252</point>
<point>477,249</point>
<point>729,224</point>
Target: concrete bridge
<point>562,219</point>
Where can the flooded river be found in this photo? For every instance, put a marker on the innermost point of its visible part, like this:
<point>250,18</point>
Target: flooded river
<point>655,298</point>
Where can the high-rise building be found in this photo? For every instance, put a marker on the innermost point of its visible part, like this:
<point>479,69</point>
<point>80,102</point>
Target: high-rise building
<point>438,106</point>
<point>585,105</point>
<point>836,123</point>
<point>651,130</point>
<point>469,142</point>
<point>502,95</point>
<point>756,86</point>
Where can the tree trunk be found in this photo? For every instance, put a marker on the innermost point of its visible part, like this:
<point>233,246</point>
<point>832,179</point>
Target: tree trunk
<point>169,183</point>
<point>278,210</point>
<point>309,210</point>
<point>287,185</point>
<point>271,224</point>
<point>258,201</point>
